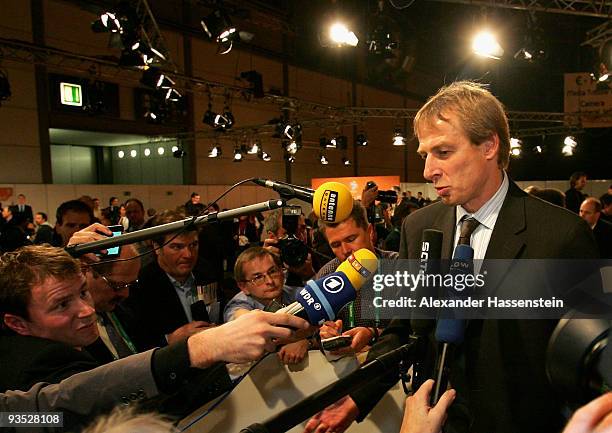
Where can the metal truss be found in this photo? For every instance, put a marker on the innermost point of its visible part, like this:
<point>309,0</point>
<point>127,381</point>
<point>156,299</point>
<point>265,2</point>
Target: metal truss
<point>546,131</point>
<point>589,8</point>
<point>599,35</point>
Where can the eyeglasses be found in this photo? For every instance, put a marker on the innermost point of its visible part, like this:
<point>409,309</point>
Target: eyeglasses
<point>119,287</point>
<point>259,279</point>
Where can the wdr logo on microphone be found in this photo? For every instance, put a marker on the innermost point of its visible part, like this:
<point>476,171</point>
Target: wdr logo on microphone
<point>333,284</point>
<point>329,205</point>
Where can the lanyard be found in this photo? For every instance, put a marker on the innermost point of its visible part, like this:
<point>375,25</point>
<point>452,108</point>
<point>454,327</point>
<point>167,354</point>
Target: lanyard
<point>122,332</point>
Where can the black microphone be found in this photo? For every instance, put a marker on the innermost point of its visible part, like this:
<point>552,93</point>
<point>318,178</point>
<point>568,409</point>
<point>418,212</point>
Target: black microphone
<point>287,190</point>
<point>429,263</point>
<point>450,332</point>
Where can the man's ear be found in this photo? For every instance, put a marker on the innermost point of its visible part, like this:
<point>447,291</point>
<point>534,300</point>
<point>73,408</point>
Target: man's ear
<point>17,324</point>
<point>491,147</point>
<point>371,232</point>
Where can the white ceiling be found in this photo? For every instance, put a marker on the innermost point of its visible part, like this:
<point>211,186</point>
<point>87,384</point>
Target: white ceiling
<point>88,138</point>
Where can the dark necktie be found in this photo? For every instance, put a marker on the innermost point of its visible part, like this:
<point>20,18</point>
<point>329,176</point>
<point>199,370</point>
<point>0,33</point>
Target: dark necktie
<point>468,225</point>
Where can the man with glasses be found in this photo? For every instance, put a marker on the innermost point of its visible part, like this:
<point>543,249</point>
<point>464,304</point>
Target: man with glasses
<point>261,279</point>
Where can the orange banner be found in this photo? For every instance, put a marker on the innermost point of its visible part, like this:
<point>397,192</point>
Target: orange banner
<point>357,184</point>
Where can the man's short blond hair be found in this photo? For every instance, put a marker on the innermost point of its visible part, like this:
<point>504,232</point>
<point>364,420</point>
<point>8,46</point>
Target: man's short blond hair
<point>480,115</point>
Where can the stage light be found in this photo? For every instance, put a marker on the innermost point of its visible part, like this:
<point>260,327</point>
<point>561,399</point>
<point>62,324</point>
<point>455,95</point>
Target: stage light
<point>538,149</point>
<point>292,147</point>
<point>346,161</point>
<point>5,87</point>
<point>223,121</point>
<point>219,28</point>
<point>160,151</point>
<point>569,146</point>
<point>333,143</point>
<point>485,45</point>
<point>108,22</point>
<point>254,148</point>
<point>361,139</point>
<point>156,79</point>
<point>323,159</point>
<point>215,152</point>
<point>133,153</point>
<point>381,42</point>
<point>178,152</point>
<point>516,146</point>
<point>341,36</point>
<point>289,131</point>
<point>147,152</point>
<point>121,154</point>
<point>172,95</point>
<point>398,138</point>
<point>324,142</point>
<point>290,158</point>
<point>263,155</point>
<point>237,154</point>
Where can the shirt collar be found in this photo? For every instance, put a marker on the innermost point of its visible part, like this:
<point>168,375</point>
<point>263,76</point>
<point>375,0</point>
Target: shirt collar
<point>187,285</point>
<point>488,213</point>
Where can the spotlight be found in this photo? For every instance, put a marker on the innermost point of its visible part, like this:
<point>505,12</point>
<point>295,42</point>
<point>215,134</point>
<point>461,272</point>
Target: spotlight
<point>121,154</point>
<point>340,36</point>
<point>156,79</point>
<point>131,59</point>
<point>133,153</point>
<point>346,161</point>
<point>292,147</point>
<point>172,95</point>
<point>237,154</point>
<point>333,143</point>
<point>538,149</point>
<point>263,155</point>
<point>289,131</point>
<point>108,22</point>
<point>223,121</point>
<point>324,142</point>
<point>215,152</point>
<point>174,149</point>
<point>177,152</point>
<point>219,28</point>
<point>381,42</point>
<point>160,151</point>
<point>485,45</point>
<point>5,87</point>
<point>254,148</point>
<point>157,111</point>
<point>361,139</point>
<point>290,158</point>
<point>147,152</point>
<point>323,159</point>
<point>398,138</point>
<point>516,146</point>
<point>569,146</point>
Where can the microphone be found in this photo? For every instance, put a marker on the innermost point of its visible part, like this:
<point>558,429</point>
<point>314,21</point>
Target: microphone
<point>450,332</point>
<point>320,300</point>
<point>429,263</point>
<point>332,201</point>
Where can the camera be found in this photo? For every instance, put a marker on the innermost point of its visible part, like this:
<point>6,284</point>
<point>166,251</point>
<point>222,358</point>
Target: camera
<point>293,251</point>
<point>389,196</point>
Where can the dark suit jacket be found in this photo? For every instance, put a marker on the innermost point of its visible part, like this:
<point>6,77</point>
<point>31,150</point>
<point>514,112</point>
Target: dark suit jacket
<point>25,215</point>
<point>26,360</point>
<point>504,380</point>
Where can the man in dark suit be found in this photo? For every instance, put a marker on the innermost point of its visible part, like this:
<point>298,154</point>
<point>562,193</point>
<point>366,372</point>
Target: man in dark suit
<point>590,211</point>
<point>22,211</point>
<point>170,302</point>
<point>499,372</point>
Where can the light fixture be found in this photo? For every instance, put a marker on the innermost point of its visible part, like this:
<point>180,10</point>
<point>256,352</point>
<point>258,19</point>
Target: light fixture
<point>238,154</point>
<point>323,159</point>
<point>215,152</point>
<point>569,146</point>
<point>346,161</point>
<point>290,158</point>
<point>178,152</point>
<point>174,148</point>
<point>516,147</point>
<point>223,121</point>
<point>538,149</point>
<point>398,138</point>
<point>381,42</point>
<point>324,142</point>
<point>5,87</point>
<point>108,22</point>
<point>263,155</point>
<point>219,28</point>
<point>485,45</point>
<point>289,131</point>
<point>340,36</point>
<point>292,147</point>
<point>133,153</point>
<point>361,139</point>
<point>160,150</point>
<point>121,154</point>
<point>147,152</point>
<point>332,144</point>
<point>254,148</point>
<point>156,79</point>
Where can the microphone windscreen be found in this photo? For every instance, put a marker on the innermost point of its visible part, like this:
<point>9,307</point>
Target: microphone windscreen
<point>332,202</point>
<point>463,252</point>
<point>450,331</point>
<point>358,267</point>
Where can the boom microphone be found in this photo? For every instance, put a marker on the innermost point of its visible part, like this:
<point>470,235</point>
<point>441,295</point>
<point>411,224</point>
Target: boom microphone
<point>450,332</point>
<point>320,300</point>
<point>332,201</point>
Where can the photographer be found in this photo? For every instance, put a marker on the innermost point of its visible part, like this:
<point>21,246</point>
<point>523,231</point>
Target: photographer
<point>379,214</point>
<point>287,237</point>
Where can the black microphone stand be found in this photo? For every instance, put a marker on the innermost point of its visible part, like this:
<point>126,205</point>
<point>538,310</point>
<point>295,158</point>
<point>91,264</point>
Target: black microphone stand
<point>330,394</point>
<point>152,232</point>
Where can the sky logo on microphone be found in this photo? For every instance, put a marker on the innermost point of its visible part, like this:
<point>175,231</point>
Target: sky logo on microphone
<point>333,284</point>
<point>329,205</point>
<point>363,271</point>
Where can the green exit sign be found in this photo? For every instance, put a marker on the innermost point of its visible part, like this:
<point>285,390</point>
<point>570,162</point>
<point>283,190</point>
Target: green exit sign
<point>71,94</point>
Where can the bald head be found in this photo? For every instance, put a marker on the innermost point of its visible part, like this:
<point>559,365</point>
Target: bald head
<point>590,211</point>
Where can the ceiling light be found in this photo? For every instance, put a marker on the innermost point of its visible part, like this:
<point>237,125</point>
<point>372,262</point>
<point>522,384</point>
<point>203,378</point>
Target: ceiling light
<point>108,22</point>
<point>398,138</point>
<point>215,152</point>
<point>333,143</point>
<point>323,159</point>
<point>160,150</point>
<point>361,139</point>
<point>290,158</point>
<point>538,149</point>
<point>569,146</point>
<point>174,149</point>
<point>223,121</point>
<point>262,154</point>
<point>346,161</point>
<point>133,153</point>
<point>154,78</point>
<point>485,45</point>
<point>381,42</point>
<point>292,147</point>
<point>340,35</point>
<point>516,146</point>
<point>178,153</point>
<point>121,154</point>
<point>254,148</point>
<point>219,28</point>
<point>237,154</point>
<point>147,152</point>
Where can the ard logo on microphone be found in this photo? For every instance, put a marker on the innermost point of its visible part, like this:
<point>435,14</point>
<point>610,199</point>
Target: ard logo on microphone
<point>329,205</point>
<point>333,284</point>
